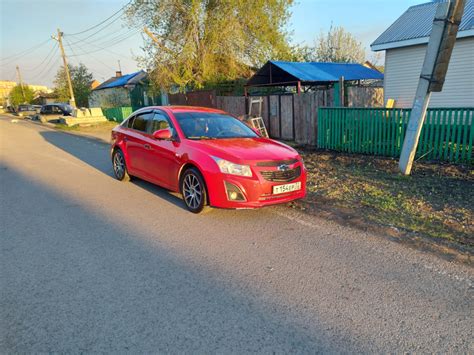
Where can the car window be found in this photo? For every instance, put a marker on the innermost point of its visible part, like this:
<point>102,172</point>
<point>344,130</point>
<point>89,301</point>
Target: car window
<point>160,121</point>
<point>56,109</point>
<point>46,109</point>
<point>141,120</point>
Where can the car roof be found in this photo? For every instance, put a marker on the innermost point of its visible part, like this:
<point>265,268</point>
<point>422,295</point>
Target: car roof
<point>183,109</point>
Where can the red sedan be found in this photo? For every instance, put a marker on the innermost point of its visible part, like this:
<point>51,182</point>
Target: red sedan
<point>208,156</point>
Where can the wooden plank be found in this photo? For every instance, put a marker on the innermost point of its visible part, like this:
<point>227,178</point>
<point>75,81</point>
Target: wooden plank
<point>286,110</point>
<point>274,117</point>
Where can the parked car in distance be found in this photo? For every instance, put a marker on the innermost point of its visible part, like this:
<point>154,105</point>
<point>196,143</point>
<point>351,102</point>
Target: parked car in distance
<point>26,110</point>
<point>52,112</point>
<point>56,109</point>
<point>207,155</point>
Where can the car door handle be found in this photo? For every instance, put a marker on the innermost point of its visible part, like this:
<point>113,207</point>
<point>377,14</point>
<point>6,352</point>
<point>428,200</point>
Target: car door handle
<point>147,146</point>
<point>125,139</point>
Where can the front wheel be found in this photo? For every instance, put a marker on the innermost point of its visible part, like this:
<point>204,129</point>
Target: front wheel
<point>194,191</point>
<point>120,167</point>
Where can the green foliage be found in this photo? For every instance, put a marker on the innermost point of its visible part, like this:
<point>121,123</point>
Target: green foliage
<point>338,45</point>
<point>81,84</point>
<point>20,95</point>
<point>201,42</point>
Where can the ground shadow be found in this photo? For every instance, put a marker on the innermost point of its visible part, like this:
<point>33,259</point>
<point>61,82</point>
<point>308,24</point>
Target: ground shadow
<point>91,284</point>
<point>96,153</point>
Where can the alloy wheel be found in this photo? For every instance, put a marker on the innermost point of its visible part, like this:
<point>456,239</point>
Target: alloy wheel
<point>119,165</point>
<point>192,191</point>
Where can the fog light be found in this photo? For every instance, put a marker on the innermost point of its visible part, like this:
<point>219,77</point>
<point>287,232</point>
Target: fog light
<point>233,192</point>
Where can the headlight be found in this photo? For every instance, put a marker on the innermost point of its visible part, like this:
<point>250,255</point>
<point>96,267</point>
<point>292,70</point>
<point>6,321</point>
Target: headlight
<point>227,167</point>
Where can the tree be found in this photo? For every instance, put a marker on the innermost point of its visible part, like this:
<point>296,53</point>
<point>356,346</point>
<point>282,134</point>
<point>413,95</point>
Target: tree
<point>21,96</point>
<point>81,84</point>
<point>201,42</point>
<point>338,45</point>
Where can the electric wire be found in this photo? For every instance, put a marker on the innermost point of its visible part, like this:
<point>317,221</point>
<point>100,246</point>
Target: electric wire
<point>78,55</point>
<point>112,42</point>
<point>44,60</point>
<point>102,22</point>
<point>23,52</point>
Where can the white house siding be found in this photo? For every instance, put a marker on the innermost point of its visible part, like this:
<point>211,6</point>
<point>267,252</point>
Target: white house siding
<point>403,68</point>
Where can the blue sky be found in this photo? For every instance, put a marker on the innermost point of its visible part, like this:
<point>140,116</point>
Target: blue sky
<point>27,23</point>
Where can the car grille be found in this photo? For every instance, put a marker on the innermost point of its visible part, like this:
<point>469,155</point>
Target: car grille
<point>282,176</point>
<point>277,162</point>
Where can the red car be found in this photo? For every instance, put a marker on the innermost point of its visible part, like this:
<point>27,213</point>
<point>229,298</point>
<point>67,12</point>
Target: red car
<point>207,155</point>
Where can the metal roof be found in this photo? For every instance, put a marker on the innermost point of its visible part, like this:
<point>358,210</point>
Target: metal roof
<point>414,26</point>
<point>119,81</point>
<point>276,72</point>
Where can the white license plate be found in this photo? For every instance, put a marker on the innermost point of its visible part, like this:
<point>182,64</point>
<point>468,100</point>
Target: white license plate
<point>281,189</point>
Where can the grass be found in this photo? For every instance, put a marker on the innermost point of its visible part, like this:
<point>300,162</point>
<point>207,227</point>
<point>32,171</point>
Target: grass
<point>97,127</point>
<point>435,202</point>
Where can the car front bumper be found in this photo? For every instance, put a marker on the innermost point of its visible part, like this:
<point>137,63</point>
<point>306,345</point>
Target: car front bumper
<point>258,191</point>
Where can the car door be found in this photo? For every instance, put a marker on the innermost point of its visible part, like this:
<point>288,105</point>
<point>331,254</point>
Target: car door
<point>163,163</point>
<point>136,145</point>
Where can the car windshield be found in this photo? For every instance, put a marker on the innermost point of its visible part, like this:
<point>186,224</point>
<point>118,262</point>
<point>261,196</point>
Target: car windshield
<point>210,125</point>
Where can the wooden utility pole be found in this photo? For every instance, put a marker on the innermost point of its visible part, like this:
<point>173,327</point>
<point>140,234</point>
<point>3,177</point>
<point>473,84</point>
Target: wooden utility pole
<point>59,38</point>
<point>438,53</point>
<point>20,82</point>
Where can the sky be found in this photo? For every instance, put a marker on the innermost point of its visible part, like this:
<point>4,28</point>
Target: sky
<point>28,24</point>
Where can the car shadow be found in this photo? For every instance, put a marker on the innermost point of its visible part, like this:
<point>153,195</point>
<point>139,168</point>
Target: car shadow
<point>96,280</point>
<point>96,154</point>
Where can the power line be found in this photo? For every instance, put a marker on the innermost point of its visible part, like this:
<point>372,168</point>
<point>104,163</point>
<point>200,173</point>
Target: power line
<point>21,54</point>
<point>77,55</point>
<point>100,23</point>
<point>45,59</point>
<point>112,42</point>
<point>47,64</point>
<point>105,49</point>
<point>47,72</point>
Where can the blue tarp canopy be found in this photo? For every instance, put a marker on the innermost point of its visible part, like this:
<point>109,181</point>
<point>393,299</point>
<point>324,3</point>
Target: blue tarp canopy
<point>310,73</point>
<point>117,81</point>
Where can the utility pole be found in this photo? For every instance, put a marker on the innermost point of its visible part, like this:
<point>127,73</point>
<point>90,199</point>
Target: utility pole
<point>433,73</point>
<point>20,82</point>
<point>120,67</point>
<point>59,38</point>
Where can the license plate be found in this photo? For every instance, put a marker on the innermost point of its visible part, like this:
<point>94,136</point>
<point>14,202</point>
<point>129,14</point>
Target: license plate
<point>281,189</point>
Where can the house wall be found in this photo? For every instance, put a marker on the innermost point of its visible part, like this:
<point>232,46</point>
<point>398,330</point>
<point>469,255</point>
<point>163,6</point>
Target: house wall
<point>403,68</point>
<point>112,97</point>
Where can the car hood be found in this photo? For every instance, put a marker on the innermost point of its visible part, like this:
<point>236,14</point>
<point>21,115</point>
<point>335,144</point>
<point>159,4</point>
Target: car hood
<point>246,150</point>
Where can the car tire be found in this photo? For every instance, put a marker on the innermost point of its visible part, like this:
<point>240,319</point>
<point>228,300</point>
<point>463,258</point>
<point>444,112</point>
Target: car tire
<point>194,191</point>
<point>120,166</point>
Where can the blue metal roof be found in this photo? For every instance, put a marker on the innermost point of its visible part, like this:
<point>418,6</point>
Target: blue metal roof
<point>323,72</point>
<point>416,22</point>
<point>116,82</point>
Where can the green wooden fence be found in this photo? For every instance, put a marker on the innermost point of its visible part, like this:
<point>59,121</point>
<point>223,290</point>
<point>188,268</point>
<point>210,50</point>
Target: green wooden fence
<point>447,133</point>
<point>117,114</point>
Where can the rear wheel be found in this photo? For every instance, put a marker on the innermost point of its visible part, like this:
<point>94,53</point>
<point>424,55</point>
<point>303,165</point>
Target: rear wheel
<point>120,167</point>
<point>194,191</point>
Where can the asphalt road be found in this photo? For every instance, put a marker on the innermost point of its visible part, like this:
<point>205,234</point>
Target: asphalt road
<point>90,264</point>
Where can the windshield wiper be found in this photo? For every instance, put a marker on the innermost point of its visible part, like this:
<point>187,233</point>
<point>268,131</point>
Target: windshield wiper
<point>200,137</point>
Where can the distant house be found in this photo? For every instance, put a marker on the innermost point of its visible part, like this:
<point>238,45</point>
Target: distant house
<point>44,98</point>
<point>405,42</point>
<point>94,84</point>
<point>124,91</point>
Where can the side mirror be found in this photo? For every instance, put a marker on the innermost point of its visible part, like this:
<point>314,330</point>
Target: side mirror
<point>163,134</point>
